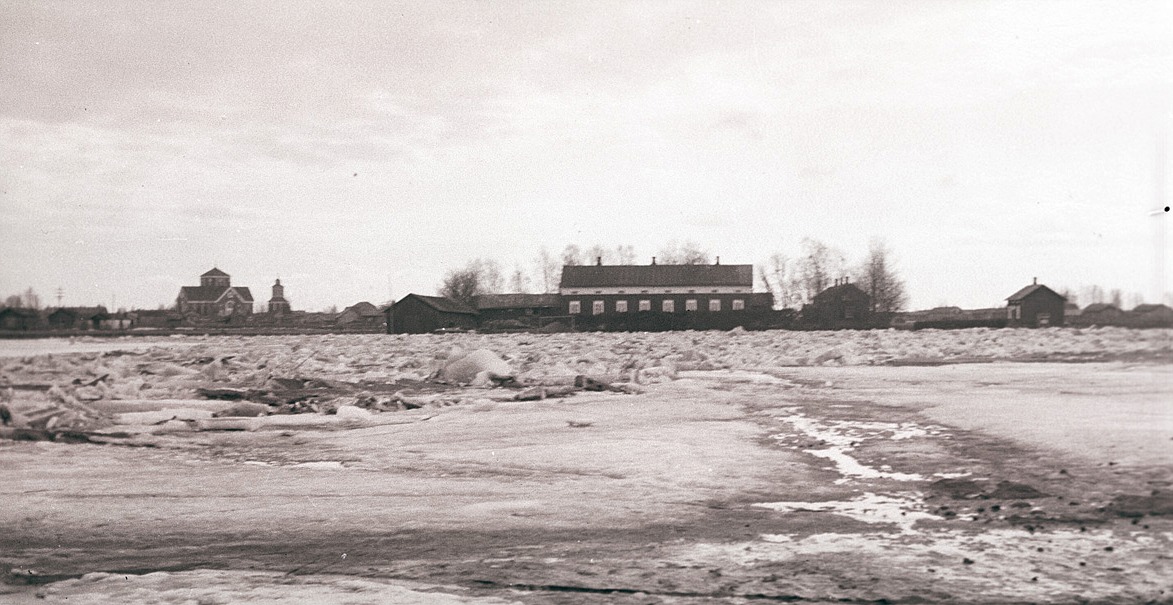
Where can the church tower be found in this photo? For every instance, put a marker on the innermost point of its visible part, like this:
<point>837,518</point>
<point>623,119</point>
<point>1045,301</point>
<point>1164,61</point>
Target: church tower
<point>277,304</point>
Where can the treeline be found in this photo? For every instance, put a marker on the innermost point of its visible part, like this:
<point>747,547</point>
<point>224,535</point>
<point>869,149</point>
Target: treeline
<point>794,281</point>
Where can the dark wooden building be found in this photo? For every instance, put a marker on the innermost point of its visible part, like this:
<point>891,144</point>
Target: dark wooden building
<point>1149,316</point>
<point>76,318</point>
<point>361,316</point>
<point>520,307</point>
<point>418,314</point>
<point>617,289</point>
<point>1035,306</point>
<point>15,318</point>
<point>842,306</point>
<point>1097,314</point>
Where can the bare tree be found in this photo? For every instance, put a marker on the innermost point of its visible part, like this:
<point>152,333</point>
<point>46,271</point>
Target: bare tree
<point>518,281</point>
<point>815,270</point>
<point>775,279</point>
<point>625,254</point>
<point>688,253</point>
<point>548,270</point>
<point>1092,294</point>
<point>13,301</point>
<point>571,255</point>
<point>30,300</point>
<point>1117,298</point>
<point>480,276</point>
<point>598,254</point>
<point>877,277</point>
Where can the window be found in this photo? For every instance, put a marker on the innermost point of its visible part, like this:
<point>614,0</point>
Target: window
<point>645,305</point>
<point>621,306</point>
<point>668,306</point>
<point>597,307</point>
<point>690,304</point>
<point>714,304</point>
<point>738,304</point>
<point>575,307</point>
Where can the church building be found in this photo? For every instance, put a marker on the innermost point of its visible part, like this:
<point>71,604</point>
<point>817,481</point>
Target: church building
<point>215,297</point>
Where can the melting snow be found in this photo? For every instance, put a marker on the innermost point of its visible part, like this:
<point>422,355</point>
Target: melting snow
<point>902,511</point>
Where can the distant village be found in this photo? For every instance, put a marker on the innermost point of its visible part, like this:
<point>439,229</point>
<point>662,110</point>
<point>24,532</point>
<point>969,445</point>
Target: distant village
<point>595,297</point>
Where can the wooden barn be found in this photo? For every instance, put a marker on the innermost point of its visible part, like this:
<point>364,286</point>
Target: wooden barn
<point>1098,314</point>
<point>1144,316</point>
<point>1035,306</point>
<point>418,314</point>
<point>76,318</point>
<point>14,318</point>
<point>361,316</point>
<point>842,306</point>
<point>521,307</point>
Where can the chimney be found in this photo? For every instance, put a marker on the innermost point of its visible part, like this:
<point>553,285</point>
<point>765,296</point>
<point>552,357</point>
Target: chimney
<point>599,261</point>
<point>1036,281</point>
<point>653,260</point>
<point>718,260</point>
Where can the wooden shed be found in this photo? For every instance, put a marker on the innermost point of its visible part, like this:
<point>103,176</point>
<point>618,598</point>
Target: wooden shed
<point>522,307</point>
<point>419,314</point>
<point>843,305</point>
<point>1035,306</point>
<point>15,318</point>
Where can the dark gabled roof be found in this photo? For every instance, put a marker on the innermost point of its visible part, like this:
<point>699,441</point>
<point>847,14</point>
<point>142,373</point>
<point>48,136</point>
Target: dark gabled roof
<point>363,309</point>
<point>86,312</point>
<point>517,301</point>
<point>1099,308</point>
<point>20,312</point>
<point>609,276</point>
<point>848,289</point>
<point>1031,289</point>
<point>439,303</point>
<point>1148,308</point>
<point>243,292</point>
<point>213,293</point>
<point>214,272</point>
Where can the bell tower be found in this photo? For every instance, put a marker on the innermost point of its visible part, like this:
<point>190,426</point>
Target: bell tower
<point>277,304</point>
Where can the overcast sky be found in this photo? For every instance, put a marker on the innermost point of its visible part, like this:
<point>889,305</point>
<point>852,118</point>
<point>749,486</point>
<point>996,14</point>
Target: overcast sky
<point>359,150</point>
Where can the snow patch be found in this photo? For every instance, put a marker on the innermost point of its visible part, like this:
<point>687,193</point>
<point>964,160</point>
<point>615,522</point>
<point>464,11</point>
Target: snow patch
<point>902,511</point>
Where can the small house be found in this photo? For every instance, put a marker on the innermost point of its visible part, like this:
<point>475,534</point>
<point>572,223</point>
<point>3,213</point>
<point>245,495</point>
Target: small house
<point>1151,316</point>
<point>1035,306</point>
<point>15,318</point>
<point>1100,314</point>
<point>359,316</point>
<point>843,305</point>
<point>418,314</point>
<point>76,318</point>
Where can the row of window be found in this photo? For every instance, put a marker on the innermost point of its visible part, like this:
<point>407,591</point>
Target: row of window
<point>599,307</point>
